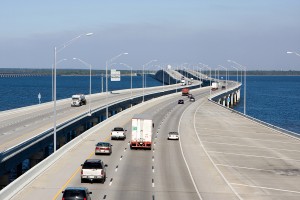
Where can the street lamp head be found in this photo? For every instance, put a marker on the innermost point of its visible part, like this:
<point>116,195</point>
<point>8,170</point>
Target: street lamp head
<point>125,53</point>
<point>229,61</point>
<point>74,58</point>
<point>289,52</point>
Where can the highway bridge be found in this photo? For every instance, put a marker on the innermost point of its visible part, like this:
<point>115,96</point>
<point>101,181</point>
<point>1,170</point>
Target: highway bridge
<point>221,154</point>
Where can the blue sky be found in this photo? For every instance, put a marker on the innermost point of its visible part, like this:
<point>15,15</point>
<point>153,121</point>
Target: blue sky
<point>255,33</point>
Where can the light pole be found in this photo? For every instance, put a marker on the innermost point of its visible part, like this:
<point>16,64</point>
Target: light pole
<point>90,97</point>
<point>108,63</point>
<point>245,71</point>
<point>130,78</point>
<point>291,52</point>
<point>226,75</point>
<point>144,76</point>
<point>57,50</point>
<point>237,73</point>
<point>206,66</point>
<point>53,76</point>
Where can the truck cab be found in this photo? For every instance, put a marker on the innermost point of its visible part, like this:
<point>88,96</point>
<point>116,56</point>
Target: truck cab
<point>78,100</point>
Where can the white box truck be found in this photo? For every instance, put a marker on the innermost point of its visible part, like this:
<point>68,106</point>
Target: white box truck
<point>141,132</point>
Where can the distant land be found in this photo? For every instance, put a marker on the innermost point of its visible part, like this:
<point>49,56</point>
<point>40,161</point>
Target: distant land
<point>86,72</point>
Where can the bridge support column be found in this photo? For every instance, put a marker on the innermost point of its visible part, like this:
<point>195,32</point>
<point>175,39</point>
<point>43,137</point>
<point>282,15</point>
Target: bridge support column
<point>224,101</point>
<point>238,95</point>
<point>36,158</point>
<point>4,180</point>
<point>79,130</point>
<point>61,141</point>
<point>232,101</point>
<point>228,101</point>
<point>19,169</point>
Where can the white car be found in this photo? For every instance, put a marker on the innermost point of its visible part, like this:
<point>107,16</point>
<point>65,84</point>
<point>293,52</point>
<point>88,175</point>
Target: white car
<point>173,136</point>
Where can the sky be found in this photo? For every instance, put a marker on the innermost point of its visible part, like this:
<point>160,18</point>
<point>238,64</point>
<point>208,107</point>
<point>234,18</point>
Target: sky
<point>256,34</point>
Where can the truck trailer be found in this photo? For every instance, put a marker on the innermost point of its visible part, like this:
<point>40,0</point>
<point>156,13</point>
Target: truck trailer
<point>185,91</point>
<point>141,132</point>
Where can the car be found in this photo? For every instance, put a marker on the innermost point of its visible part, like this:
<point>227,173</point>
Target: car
<point>93,170</point>
<point>180,101</point>
<point>223,87</point>
<point>118,133</point>
<point>192,99</point>
<point>103,148</point>
<point>173,136</point>
<point>76,193</point>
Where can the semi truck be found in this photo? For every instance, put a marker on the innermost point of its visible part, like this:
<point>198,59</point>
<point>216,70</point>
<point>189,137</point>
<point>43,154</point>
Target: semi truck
<point>185,91</point>
<point>141,132</point>
<point>78,100</point>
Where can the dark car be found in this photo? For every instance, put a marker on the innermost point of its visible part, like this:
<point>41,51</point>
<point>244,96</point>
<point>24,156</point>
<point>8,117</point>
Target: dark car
<point>180,101</point>
<point>192,99</point>
<point>103,148</point>
<point>76,193</point>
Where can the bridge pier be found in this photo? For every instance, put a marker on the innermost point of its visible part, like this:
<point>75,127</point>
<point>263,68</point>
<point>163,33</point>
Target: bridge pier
<point>4,180</point>
<point>36,158</point>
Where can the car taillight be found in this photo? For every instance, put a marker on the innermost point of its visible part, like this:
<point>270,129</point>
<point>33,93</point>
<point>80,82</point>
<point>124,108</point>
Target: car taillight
<point>102,172</point>
<point>84,198</point>
<point>81,171</point>
<point>63,199</point>
<point>97,148</point>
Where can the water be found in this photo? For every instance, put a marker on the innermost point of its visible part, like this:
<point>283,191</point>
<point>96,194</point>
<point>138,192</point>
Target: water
<point>273,99</point>
<point>18,92</point>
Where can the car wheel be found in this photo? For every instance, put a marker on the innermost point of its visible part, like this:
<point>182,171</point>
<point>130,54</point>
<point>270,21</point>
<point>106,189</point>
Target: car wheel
<point>82,180</point>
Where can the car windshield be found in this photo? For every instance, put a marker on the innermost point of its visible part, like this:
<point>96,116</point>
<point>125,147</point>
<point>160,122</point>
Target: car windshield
<point>92,165</point>
<point>173,133</point>
<point>118,129</point>
<point>103,144</point>
<point>74,193</point>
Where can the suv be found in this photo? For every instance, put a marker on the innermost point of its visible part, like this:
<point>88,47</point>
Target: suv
<point>118,133</point>
<point>76,193</point>
<point>93,169</point>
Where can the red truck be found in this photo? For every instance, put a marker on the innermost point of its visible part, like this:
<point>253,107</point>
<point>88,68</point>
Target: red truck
<point>185,91</point>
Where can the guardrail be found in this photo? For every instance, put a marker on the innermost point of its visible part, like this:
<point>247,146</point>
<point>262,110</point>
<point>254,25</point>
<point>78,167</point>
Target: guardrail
<point>281,130</point>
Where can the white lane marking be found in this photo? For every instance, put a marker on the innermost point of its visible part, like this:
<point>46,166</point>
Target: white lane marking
<point>187,166</point>
<point>246,138</point>
<point>211,160</point>
<point>152,182</point>
<point>248,168</point>
<point>257,147</point>
<point>248,155</point>
<point>267,188</point>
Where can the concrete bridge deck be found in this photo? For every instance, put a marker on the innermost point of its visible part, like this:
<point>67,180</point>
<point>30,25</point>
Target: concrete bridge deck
<point>220,155</point>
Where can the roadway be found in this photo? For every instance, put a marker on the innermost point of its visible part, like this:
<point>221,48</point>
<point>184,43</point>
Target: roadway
<point>21,124</point>
<point>220,155</point>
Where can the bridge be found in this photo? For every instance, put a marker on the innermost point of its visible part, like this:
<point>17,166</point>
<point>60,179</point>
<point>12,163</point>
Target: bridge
<point>221,154</point>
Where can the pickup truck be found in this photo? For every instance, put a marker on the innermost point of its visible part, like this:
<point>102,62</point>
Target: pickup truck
<point>118,133</point>
<point>93,169</point>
